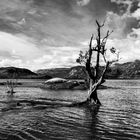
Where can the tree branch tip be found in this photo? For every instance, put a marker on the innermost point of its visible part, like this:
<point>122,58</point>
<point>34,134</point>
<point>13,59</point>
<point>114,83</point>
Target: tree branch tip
<point>97,23</point>
<point>111,32</point>
<point>99,26</point>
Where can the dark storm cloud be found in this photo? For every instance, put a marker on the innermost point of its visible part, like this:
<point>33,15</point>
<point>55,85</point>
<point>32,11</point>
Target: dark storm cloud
<point>5,26</point>
<point>127,9</point>
<point>64,21</point>
<point>134,6</point>
<point>99,8</point>
<point>57,18</point>
<point>127,5</point>
<point>131,23</point>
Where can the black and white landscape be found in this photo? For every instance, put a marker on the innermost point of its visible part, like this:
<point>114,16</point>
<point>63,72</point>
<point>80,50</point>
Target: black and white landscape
<point>69,69</point>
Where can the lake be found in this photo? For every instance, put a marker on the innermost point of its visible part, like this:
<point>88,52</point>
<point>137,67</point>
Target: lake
<point>117,118</point>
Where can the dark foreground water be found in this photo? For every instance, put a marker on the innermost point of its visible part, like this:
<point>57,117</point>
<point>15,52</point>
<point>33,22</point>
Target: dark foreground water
<point>117,118</point>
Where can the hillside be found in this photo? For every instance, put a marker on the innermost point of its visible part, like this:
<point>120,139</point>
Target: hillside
<point>56,72</point>
<point>77,72</point>
<point>129,70</point>
<point>12,72</point>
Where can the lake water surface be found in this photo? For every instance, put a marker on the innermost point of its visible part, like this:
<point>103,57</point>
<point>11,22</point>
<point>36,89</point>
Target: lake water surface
<point>117,118</point>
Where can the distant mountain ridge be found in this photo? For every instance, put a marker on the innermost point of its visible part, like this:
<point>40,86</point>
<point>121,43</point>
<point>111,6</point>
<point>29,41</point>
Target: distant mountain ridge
<point>129,70</point>
<point>54,72</point>
<point>14,72</point>
<point>69,73</point>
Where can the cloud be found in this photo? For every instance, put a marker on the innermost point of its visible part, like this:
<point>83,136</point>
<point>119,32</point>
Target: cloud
<point>45,33</point>
<point>127,6</point>
<point>59,57</point>
<point>18,46</point>
<point>21,51</point>
<point>82,2</point>
<point>22,22</point>
<point>117,23</point>
<point>128,47</point>
<point>135,34</point>
<point>9,62</point>
<point>125,2</point>
<point>136,13</point>
<point>124,22</point>
<point>129,20</point>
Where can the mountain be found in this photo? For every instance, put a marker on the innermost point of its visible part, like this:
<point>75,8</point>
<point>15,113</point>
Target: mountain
<point>55,72</point>
<point>68,73</point>
<point>77,72</point>
<point>13,72</point>
<point>129,70</point>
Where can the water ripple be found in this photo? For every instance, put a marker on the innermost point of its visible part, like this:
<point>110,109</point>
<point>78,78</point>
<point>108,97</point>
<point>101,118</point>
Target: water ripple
<point>117,118</point>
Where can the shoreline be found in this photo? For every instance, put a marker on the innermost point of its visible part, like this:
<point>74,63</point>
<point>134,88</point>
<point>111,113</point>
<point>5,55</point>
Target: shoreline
<point>37,83</point>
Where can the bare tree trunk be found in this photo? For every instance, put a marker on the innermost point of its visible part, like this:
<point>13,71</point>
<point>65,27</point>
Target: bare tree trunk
<point>93,98</point>
<point>98,52</point>
<point>96,78</point>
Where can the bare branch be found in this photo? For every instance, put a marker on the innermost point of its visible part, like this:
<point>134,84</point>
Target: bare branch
<point>88,62</point>
<point>95,86</point>
<point>90,48</point>
<point>104,58</point>
<point>103,22</point>
<point>98,50</point>
<point>99,24</point>
<point>107,35</point>
<point>116,60</point>
<point>90,44</point>
<point>103,74</point>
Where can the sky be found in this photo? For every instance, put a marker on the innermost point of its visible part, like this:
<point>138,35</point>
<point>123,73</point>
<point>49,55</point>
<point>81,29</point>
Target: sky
<point>38,34</point>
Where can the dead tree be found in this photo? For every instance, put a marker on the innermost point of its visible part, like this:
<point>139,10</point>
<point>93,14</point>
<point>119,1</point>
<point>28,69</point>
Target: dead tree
<point>11,84</point>
<point>95,77</point>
